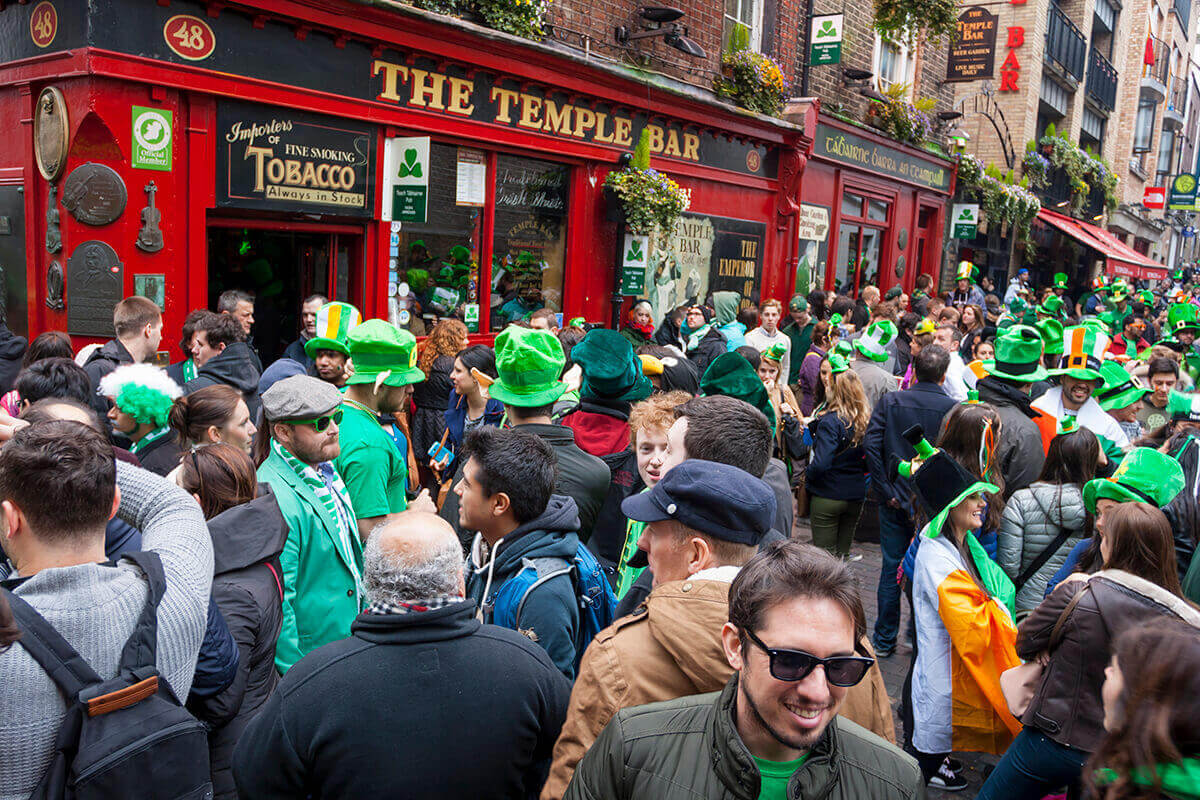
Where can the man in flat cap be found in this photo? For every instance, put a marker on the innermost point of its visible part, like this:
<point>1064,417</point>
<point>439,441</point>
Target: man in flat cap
<point>703,521</point>
<point>322,559</point>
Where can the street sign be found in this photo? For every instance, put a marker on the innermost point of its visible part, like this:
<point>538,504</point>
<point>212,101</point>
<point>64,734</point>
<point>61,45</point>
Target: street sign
<point>633,264</point>
<point>1183,192</point>
<point>406,180</point>
<point>1188,231</point>
<point>965,220</point>
<point>1154,197</point>
<point>826,40</point>
<point>151,139</point>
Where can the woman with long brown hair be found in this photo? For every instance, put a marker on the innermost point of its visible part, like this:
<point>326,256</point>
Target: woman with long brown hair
<point>248,533</point>
<point>431,395</point>
<point>1072,633</point>
<point>972,324</point>
<point>1152,714</point>
<point>836,477</point>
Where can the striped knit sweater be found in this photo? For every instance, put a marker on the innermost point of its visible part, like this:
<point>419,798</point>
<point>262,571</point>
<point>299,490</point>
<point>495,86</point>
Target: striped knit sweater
<point>95,608</point>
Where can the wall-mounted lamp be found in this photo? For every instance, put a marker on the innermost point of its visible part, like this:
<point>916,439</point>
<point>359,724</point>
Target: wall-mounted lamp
<point>661,21</point>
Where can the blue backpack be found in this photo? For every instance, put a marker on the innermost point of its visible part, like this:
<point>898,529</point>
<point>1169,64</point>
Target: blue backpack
<point>593,592</point>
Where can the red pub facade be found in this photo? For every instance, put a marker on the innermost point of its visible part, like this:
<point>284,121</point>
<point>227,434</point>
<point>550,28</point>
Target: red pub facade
<point>396,159</point>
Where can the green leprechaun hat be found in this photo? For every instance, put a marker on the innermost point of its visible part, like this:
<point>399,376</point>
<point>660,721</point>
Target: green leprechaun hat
<point>1183,407</point>
<point>1120,389</point>
<point>1183,317</point>
<point>1144,476</point>
<point>1083,353</point>
<point>528,365</point>
<point>838,363</point>
<point>775,353</point>
<point>1119,290</point>
<point>1146,296</point>
<point>731,375</point>
<point>383,355</point>
<point>1052,335</point>
<point>844,348</point>
<point>875,338</point>
<point>926,325</point>
<point>334,321</point>
<point>965,272</point>
<point>1060,280</point>
<point>1018,355</point>
<point>611,370</point>
<point>1052,306</point>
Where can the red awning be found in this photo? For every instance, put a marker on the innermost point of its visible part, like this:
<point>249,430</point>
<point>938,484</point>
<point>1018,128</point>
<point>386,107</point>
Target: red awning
<point>1121,259</point>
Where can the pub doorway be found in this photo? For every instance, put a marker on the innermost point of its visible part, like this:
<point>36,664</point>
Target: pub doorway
<point>281,264</point>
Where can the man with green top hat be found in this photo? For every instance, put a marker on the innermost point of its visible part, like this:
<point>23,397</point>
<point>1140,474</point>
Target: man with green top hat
<point>528,365</point>
<point>1121,395</point>
<point>1117,307</point>
<point>1010,375</point>
<point>966,292</point>
<point>373,462</point>
<point>328,348</point>
<point>321,562</point>
<point>870,355</point>
<point>1079,377</point>
<point>1183,323</point>
<point>1059,286</point>
<point>1051,308</point>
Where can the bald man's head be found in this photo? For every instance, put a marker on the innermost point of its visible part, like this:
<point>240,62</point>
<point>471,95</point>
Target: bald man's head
<point>415,556</point>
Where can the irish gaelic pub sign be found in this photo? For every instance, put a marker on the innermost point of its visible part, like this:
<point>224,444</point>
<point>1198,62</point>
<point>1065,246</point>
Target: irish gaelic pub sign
<point>284,160</point>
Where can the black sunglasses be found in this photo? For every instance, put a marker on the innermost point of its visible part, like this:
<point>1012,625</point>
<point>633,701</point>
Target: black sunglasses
<point>794,665</point>
<point>320,423</point>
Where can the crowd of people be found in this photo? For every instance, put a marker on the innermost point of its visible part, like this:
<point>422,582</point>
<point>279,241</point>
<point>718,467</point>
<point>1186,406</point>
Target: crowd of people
<point>566,564</point>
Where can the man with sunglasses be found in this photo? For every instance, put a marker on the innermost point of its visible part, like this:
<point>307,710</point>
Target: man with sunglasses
<point>1131,340</point>
<point>774,731</point>
<point>322,558</point>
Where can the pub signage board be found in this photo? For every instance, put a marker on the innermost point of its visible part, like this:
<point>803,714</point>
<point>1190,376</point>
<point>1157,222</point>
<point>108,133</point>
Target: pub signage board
<point>973,50</point>
<point>284,160</point>
<point>858,151</point>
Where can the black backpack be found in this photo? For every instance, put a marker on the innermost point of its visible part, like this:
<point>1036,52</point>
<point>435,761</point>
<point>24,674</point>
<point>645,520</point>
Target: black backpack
<point>124,737</point>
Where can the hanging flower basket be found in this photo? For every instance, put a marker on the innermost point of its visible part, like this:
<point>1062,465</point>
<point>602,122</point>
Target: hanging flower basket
<point>644,198</point>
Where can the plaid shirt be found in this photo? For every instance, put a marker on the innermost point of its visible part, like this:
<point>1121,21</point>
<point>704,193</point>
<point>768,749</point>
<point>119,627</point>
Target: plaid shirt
<point>414,606</point>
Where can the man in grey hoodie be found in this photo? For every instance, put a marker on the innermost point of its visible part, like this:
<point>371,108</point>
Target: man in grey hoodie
<point>58,488</point>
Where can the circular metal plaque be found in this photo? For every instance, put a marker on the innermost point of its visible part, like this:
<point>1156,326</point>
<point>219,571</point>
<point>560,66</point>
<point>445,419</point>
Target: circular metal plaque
<point>900,266</point>
<point>94,194</point>
<point>50,133</point>
<point>902,239</point>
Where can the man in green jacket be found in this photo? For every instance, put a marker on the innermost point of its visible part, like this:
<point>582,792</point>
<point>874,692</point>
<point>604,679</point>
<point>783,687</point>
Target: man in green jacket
<point>773,733</point>
<point>322,557</point>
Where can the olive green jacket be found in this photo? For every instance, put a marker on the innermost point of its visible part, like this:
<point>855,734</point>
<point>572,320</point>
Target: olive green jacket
<point>689,748</point>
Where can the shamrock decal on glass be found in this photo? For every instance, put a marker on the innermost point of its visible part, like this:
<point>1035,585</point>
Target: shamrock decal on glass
<point>411,166</point>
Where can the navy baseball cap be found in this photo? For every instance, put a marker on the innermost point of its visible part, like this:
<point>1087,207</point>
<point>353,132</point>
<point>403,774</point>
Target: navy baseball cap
<point>715,499</point>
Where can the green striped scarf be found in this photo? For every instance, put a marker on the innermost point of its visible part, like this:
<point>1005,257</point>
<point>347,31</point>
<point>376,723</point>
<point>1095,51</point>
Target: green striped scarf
<point>189,370</point>
<point>342,523</point>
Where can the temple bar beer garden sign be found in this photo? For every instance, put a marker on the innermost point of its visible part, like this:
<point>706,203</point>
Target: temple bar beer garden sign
<point>858,151</point>
<point>973,51</point>
<point>275,158</point>
<point>268,49</point>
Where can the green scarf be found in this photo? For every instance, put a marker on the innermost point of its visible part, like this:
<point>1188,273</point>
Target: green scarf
<point>189,370</point>
<point>694,338</point>
<point>626,575</point>
<point>149,439</point>
<point>1181,781</point>
<point>340,522</point>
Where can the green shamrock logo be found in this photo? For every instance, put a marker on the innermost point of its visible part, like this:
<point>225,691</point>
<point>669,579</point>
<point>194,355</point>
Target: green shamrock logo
<point>827,29</point>
<point>965,216</point>
<point>635,251</point>
<point>411,166</point>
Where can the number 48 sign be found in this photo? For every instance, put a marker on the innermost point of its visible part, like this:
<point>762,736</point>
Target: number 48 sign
<point>189,37</point>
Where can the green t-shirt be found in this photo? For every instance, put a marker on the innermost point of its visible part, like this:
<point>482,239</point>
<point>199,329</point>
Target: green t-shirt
<point>775,776</point>
<point>372,466</point>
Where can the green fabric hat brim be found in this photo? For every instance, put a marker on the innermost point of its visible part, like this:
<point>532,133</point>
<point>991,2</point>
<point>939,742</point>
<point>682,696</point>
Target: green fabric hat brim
<point>321,343</point>
<point>1100,488</point>
<point>1193,327</point>
<point>1077,374</point>
<point>936,524</point>
<point>1124,399</point>
<point>877,357</point>
<point>401,376</point>
<point>512,396</point>
<point>641,389</point>
<point>1039,374</point>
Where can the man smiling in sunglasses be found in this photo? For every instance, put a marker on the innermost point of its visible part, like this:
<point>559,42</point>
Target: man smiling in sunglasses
<point>322,559</point>
<point>773,732</point>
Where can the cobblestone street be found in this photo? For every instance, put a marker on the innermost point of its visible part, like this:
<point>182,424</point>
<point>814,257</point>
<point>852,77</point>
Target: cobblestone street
<point>895,667</point>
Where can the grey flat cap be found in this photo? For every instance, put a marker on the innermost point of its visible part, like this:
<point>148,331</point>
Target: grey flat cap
<point>300,397</point>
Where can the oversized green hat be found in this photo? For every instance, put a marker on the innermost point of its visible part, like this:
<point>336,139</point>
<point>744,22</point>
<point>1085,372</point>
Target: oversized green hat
<point>843,348</point>
<point>1052,306</point>
<point>1183,407</point>
<point>965,272</point>
<point>1120,389</point>
<point>875,338</point>
<point>775,352</point>
<point>1119,290</point>
<point>528,365</point>
<point>1060,280</point>
<point>1083,353</point>
<point>1146,296</point>
<point>611,370</point>
<point>1051,330</point>
<point>334,321</point>
<point>731,375</point>
<point>143,391</point>
<point>383,355</point>
<point>1018,355</point>
<point>1183,316</point>
<point>838,363</point>
<point>1144,476</point>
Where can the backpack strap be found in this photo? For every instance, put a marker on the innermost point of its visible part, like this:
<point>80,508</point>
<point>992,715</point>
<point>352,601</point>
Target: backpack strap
<point>141,649</point>
<point>48,648</point>
<point>546,569</point>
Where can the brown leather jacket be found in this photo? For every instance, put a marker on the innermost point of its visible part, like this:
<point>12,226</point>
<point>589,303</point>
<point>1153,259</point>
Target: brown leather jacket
<point>1067,706</point>
<point>670,647</point>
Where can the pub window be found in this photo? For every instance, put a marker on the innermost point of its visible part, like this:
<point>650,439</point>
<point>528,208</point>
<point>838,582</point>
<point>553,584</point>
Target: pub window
<point>743,12</point>
<point>530,241</point>
<point>860,242</point>
<point>437,260</point>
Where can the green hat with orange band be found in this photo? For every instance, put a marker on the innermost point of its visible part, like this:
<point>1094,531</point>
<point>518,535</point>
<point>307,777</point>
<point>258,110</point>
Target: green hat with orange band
<point>334,321</point>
